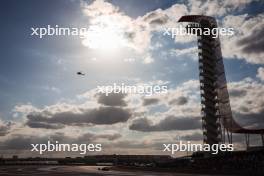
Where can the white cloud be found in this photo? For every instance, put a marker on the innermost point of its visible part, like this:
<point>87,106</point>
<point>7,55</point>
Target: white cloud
<point>111,25</point>
<point>99,7</point>
<point>260,74</point>
<point>247,102</point>
<point>148,59</point>
<point>137,33</point>
<point>181,101</point>
<point>246,96</point>
<point>244,44</point>
<point>190,52</point>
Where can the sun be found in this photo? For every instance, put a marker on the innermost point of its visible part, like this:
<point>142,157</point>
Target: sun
<point>105,34</point>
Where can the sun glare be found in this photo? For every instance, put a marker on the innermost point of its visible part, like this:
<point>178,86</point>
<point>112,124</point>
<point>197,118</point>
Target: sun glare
<point>105,34</point>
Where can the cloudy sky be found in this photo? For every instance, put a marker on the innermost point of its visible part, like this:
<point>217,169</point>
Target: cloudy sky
<point>42,98</point>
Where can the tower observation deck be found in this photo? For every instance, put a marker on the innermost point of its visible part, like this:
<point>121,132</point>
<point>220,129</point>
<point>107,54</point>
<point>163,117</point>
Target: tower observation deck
<point>217,120</point>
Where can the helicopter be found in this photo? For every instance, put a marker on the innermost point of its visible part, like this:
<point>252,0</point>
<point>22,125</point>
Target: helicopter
<point>80,73</point>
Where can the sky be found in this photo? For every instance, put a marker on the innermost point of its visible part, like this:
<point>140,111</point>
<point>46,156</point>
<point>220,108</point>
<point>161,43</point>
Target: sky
<point>42,97</point>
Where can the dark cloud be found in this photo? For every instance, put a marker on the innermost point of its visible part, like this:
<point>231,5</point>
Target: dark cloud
<point>247,103</point>
<point>159,21</point>
<point>150,101</point>
<point>237,93</point>
<point>151,16</point>
<point>250,120</point>
<point>93,137</point>
<point>129,144</point>
<point>84,138</point>
<point>5,128</point>
<point>156,18</point>
<point>46,125</point>
<point>253,43</point>
<point>192,137</point>
<point>130,35</point>
<point>179,101</point>
<point>113,99</point>
<point>167,124</point>
<point>23,142</point>
<point>98,116</point>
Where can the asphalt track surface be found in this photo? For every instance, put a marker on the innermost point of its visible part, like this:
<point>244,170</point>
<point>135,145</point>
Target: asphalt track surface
<point>74,171</point>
